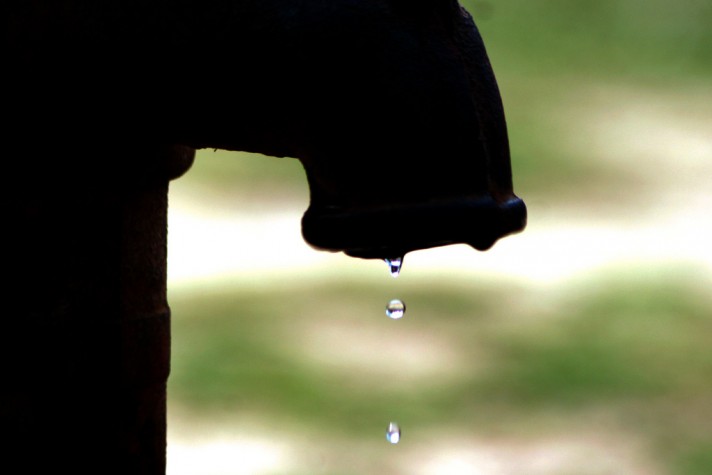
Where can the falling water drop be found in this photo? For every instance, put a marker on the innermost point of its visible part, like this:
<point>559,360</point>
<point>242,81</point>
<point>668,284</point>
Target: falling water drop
<point>395,309</point>
<point>393,434</point>
<point>395,265</point>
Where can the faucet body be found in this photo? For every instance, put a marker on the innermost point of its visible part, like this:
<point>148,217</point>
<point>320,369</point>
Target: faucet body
<point>390,105</point>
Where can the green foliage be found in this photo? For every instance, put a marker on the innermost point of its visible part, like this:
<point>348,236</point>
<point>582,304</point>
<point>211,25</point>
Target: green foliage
<point>617,343</point>
<point>622,38</point>
<point>695,461</point>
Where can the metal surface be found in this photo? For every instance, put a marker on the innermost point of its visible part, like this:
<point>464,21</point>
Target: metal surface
<point>391,106</point>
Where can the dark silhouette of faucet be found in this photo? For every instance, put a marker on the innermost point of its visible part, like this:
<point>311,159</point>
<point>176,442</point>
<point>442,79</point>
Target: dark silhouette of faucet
<point>426,129</point>
<point>390,105</point>
<point>395,114</point>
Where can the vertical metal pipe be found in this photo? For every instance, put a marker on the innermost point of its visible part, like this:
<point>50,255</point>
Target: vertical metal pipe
<point>85,349</point>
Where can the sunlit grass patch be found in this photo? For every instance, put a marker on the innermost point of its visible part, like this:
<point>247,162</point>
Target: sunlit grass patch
<point>627,347</point>
<point>311,355</point>
<point>243,179</point>
<point>616,343</point>
<point>625,38</point>
<point>695,460</point>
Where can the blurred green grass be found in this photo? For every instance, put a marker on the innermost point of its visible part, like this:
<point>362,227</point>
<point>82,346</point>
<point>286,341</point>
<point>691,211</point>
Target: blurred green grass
<point>632,40</point>
<point>639,350</point>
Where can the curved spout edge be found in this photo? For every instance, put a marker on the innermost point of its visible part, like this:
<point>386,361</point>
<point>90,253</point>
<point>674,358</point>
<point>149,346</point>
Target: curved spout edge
<point>380,233</point>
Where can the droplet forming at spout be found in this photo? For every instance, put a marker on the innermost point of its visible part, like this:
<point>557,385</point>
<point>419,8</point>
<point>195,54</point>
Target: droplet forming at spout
<point>394,265</point>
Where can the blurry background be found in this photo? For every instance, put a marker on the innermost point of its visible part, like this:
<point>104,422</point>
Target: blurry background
<point>581,346</point>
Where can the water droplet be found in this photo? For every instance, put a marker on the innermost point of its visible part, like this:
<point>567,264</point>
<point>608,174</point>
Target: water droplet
<point>393,434</point>
<point>395,265</point>
<point>395,309</point>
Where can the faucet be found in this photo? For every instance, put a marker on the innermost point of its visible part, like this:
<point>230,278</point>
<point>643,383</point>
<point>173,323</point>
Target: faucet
<point>421,158</point>
<point>394,112</point>
<point>390,105</point>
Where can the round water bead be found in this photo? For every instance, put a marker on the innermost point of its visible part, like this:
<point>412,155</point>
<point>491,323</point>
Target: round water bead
<point>395,309</point>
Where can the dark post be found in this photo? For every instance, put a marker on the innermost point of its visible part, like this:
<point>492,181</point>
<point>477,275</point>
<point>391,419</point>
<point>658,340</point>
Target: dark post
<point>86,345</point>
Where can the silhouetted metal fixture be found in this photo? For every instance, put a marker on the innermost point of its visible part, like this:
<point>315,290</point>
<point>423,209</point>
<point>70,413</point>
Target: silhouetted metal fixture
<point>391,106</point>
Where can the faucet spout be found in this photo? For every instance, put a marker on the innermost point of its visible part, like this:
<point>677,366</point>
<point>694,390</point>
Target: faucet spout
<point>421,159</point>
<point>394,111</point>
<point>387,231</point>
